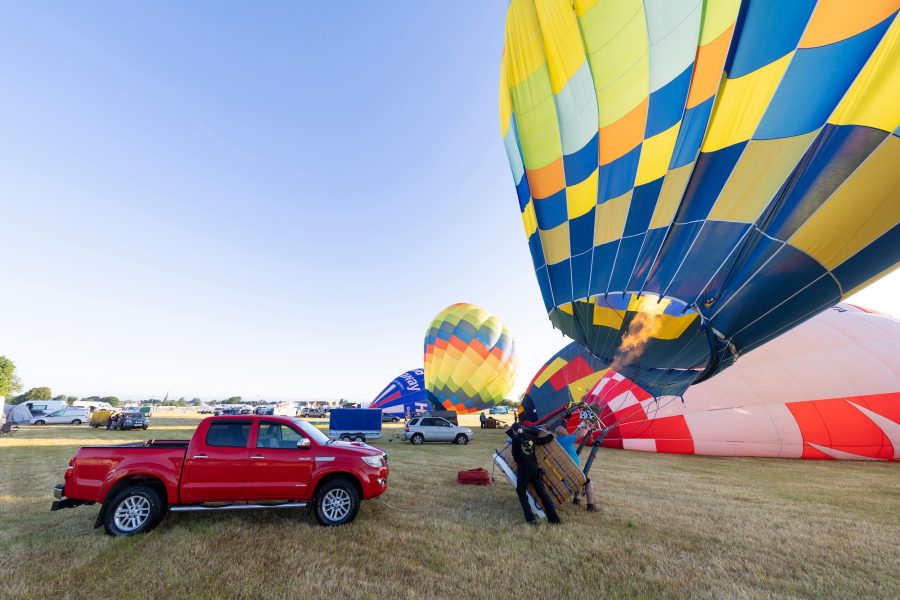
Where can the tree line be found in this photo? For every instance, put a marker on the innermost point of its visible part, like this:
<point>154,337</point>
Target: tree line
<point>10,386</point>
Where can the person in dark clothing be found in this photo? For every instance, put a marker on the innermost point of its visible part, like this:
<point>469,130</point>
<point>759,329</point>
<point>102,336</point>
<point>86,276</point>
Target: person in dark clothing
<point>483,420</point>
<point>524,441</point>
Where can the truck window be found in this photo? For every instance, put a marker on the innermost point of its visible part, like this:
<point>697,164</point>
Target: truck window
<point>277,435</point>
<point>230,434</point>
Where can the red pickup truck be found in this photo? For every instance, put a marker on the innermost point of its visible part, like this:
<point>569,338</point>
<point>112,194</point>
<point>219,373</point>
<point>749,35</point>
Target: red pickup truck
<point>231,462</point>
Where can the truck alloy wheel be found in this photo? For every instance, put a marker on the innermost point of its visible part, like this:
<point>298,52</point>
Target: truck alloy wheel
<point>462,439</point>
<point>336,503</point>
<point>76,422</point>
<point>39,422</point>
<point>134,510</point>
<point>417,439</point>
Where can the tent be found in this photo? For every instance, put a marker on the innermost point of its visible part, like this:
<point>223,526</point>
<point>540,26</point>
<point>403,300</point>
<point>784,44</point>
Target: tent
<point>19,414</point>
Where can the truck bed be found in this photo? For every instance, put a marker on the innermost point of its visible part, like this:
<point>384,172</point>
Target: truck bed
<point>95,467</point>
<point>147,444</point>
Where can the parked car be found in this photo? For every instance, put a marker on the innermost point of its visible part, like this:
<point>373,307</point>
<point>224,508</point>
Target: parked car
<point>66,416</point>
<point>129,419</point>
<point>499,410</point>
<point>230,462</point>
<point>390,417</point>
<point>436,429</point>
<point>246,410</point>
<point>312,411</point>
<point>264,410</point>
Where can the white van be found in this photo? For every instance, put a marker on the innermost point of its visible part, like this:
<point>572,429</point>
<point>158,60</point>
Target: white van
<point>43,407</point>
<point>92,405</point>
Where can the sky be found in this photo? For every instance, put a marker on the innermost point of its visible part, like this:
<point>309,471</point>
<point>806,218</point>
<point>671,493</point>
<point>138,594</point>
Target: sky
<point>270,200</point>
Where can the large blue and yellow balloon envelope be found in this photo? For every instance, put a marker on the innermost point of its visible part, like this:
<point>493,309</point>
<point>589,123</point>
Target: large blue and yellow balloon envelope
<point>697,177</point>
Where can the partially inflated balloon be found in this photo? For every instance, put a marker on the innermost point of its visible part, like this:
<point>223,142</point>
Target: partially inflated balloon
<point>404,395</point>
<point>564,379</point>
<point>470,359</point>
<point>830,388</point>
<point>696,178</point>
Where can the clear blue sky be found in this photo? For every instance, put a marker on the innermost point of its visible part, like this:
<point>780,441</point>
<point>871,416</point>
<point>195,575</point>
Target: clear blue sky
<point>258,199</point>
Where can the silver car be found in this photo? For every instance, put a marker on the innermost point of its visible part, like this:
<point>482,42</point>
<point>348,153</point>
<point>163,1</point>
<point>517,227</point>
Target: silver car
<point>75,416</point>
<point>435,429</point>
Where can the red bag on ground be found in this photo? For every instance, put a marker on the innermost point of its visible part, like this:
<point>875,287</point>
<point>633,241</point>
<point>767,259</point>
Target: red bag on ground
<point>477,476</point>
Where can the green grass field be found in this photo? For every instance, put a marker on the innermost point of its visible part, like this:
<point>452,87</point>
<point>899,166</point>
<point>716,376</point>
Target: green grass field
<point>670,526</point>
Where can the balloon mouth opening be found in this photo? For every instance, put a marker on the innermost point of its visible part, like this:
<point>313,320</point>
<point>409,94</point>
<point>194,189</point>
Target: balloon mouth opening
<point>632,333</point>
<point>642,303</point>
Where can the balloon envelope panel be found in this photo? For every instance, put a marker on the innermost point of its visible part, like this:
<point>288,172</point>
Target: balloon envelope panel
<point>470,359</point>
<point>404,395</point>
<point>830,388</point>
<point>734,162</point>
<point>565,378</point>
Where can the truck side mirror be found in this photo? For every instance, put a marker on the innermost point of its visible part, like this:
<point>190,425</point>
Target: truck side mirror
<point>304,444</point>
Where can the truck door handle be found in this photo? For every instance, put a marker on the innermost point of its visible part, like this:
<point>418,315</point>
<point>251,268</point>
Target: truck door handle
<point>200,456</point>
<point>257,457</point>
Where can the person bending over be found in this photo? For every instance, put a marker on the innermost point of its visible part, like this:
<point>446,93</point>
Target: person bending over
<point>524,442</point>
<point>568,444</point>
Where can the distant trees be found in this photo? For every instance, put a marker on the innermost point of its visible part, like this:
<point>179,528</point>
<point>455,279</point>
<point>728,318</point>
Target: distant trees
<point>232,400</point>
<point>9,382</point>
<point>34,394</point>
<point>111,400</point>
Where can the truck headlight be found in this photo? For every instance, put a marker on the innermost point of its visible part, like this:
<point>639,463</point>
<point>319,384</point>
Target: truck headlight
<point>374,461</point>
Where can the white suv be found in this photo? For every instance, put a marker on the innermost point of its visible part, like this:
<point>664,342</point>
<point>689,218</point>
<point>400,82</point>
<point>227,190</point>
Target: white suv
<point>435,429</point>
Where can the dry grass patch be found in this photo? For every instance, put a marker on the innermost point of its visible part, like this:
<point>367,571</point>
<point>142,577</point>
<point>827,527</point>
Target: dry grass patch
<point>670,526</point>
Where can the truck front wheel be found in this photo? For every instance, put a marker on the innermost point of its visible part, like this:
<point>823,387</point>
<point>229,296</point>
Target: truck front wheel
<point>133,510</point>
<point>336,503</point>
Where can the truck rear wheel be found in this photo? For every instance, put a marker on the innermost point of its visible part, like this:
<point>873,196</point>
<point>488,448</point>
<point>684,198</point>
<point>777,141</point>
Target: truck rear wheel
<point>336,503</point>
<point>461,439</point>
<point>133,510</point>
<point>417,439</point>
<point>359,438</point>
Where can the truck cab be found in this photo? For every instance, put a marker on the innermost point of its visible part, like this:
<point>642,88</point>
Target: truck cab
<point>231,462</point>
